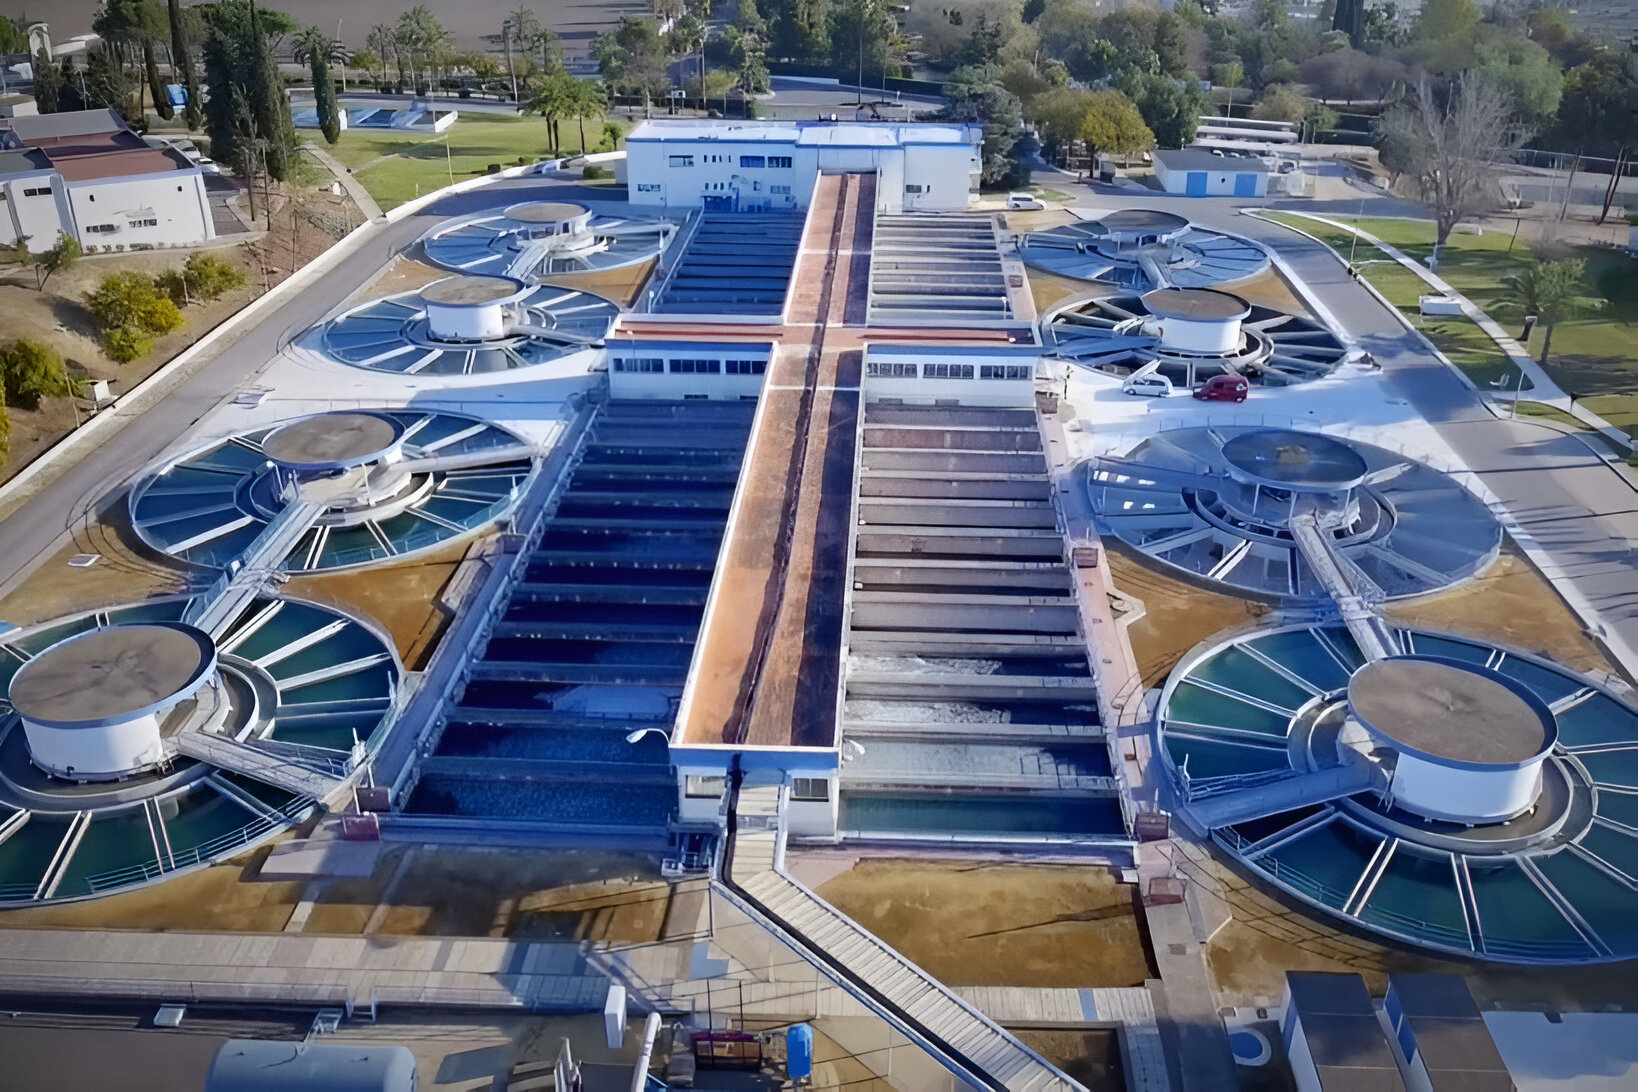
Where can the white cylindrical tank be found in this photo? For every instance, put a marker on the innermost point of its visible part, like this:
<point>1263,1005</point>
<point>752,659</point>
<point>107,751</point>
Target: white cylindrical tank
<point>93,705</point>
<point>1469,742</point>
<point>1197,321</point>
<point>470,308</point>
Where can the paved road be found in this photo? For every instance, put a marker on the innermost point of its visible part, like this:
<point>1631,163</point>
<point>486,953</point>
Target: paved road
<point>41,525</point>
<point>1582,513</point>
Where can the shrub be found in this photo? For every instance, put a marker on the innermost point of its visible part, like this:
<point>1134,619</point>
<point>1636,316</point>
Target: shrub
<point>209,276</point>
<point>124,344</point>
<point>131,311</point>
<point>593,172</point>
<point>34,370</point>
<point>5,433</point>
<point>494,168</point>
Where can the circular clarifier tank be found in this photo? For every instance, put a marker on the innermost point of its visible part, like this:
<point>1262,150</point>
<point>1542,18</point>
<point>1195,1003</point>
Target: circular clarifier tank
<point>1134,246</point>
<point>1197,320</point>
<point>1457,796</point>
<point>560,216</point>
<point>92,705</point>
<point>1469,742</point>
<point>332,441</point>
<point>471,308</point>
<point>544,239</point>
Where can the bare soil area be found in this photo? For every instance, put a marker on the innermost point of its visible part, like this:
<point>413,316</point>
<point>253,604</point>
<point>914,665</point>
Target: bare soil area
<point>1089,1055</point>
<point>430,891</point>
<point>972,923</point>
<point>1513,604</point>
<point>1177,615</point>
<point>123,573</point>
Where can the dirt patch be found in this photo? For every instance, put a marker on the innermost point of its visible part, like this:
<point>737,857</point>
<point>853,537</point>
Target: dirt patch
<point>1090,1055</point>
<point>1511,603</point>
<point>123,573</point>
<point>216,898</point>
<point>619,285</point>
<point>403,274</point>
<point>1177,616</point>
<point>986,924</point>
<point>402,598</point>
<point>1049,290</point>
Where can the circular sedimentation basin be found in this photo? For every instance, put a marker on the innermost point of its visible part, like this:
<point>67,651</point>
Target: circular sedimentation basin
<point>332,440</point>
<point>1448,712</point>
<point>112,673</point>
<point>1304,461</point>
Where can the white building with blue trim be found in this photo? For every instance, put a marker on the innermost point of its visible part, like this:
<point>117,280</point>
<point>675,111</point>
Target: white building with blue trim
<point>749,166</point>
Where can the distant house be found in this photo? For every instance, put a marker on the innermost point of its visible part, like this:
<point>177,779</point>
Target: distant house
<point>1196,172</point>
<point>736,166</point>
<point>87,175</point>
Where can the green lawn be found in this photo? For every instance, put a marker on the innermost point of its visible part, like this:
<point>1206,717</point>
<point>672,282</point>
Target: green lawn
<point>1593,358</point>
<point>397,167</point>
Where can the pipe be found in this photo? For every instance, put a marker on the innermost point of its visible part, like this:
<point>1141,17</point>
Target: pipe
<point>639,1072</point>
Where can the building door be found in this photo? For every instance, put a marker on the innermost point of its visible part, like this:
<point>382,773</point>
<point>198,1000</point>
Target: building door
<point>1245,185</point>
<point>1196,184</point>
<point>718,203</point>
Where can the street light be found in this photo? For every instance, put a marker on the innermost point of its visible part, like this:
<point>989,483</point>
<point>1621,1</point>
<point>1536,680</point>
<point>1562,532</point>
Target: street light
<point>633,737</point>
<point>1502,383</point>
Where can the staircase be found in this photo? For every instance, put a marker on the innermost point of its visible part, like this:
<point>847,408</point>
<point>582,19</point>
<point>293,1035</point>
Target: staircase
<point>982,1050</point>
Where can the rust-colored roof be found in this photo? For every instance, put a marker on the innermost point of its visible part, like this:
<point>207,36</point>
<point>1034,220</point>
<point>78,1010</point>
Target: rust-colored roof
<point>112,164</point>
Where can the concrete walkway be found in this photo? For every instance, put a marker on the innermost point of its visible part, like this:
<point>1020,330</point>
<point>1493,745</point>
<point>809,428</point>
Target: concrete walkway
<point>1542,387</point>
<point>361,197</point>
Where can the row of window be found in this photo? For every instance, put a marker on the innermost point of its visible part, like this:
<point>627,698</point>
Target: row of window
<point>771,161</point>
<point>109,229</point>
<point>655,365</point>
<point>814,789</point>
<point>884,369</point>
<point>36,191</point>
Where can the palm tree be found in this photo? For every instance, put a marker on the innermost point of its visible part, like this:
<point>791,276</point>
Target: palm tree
<point>1553,292</point>
<point>381,40</point>
<point>588,102</point>
<point>555,99</point>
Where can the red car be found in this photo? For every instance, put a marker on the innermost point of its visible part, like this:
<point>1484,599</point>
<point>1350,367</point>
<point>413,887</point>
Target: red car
<point>1224,388</point>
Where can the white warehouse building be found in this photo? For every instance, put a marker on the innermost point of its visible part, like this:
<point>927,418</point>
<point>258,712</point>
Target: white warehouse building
<point>1198,172</point>
<point>762,166</point>
<point>87,175</point>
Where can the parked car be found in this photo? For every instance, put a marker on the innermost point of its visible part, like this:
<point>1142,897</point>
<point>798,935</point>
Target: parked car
<point>1224,388</point>
<point>1151,385</point>
<point>1024,201</point>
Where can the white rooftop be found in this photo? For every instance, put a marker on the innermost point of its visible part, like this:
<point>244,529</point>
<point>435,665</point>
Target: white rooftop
<point>828,134</point>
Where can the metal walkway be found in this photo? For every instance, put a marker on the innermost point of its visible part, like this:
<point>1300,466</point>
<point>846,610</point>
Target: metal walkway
<point>989,1053</point>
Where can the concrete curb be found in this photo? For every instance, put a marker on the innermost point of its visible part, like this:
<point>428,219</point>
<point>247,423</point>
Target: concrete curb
<point>136,400</point>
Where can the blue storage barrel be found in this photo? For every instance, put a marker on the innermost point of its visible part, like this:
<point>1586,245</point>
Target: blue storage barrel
<point>799,1051</point>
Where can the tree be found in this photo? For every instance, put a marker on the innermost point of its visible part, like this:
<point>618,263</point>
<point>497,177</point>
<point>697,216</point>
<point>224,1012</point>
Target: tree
<point>752,76</point>
<point>317,49</point>
<point>972,97</point>
<point>421,37</point>
<point>182,40</point>
<point>1553,292</point>
<point>203,277</point>
<point>1596,111</point>
<point>34,370</point>
<point>631,58</point>
<point>47,83</point>
<point>1443,20</point>
<point>56,258</point>
<point>1454,145</point>
<point>1231,76</point>
<point>247,113</point>
<point>1281,102</point>
<point>1525,71</point>
<point>1170,109</point>
<point>1114,126</point>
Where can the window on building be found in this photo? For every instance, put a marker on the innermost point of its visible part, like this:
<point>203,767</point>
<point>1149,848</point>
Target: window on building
<point>915,189</point>
<point>779,189</point>
<point>101,229</point>
<point>752,161</point>
<point>37,191</point>
<point>648,187</point>
<point>150,222</point>
<point>948,371</point>
<point>696,367</point>
<point>682,161</point>
<point>91,197</point>
<point>744,367</point>
<point>779,161</point>
<point>639,364</point>
<point>1003,371</point>
<point>810,788</point>
<point>704,786</point>
<point>889,370</point>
